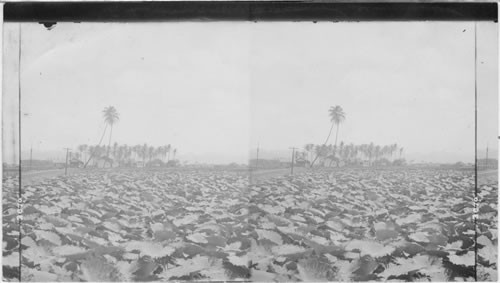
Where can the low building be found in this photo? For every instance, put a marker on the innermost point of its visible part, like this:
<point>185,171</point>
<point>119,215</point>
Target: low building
<point>76,163</point>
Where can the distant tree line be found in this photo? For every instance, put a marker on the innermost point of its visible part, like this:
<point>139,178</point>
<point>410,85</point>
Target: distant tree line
<point>351,154</point>
<point>121,155</point>
<point>347,154</point>
<point>126,155</point>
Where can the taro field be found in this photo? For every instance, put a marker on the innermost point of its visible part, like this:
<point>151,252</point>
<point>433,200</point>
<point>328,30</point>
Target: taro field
<point>344,225</point>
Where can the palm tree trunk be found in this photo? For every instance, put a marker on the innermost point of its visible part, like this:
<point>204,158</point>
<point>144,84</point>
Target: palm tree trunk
<point>312,163</point>
<point>335,152</point>
<point>336,134</point>
<point>109,144</point>
<point>327,138</point>
<point>330,164</point>
<point>329,133</point>
<point>92,153</point>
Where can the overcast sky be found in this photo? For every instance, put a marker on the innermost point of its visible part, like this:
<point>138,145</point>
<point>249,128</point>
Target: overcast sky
<point>215,90</point>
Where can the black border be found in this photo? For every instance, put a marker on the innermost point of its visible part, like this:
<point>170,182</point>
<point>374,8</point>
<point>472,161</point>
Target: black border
<point>52,12</point>
<point>245,11</point>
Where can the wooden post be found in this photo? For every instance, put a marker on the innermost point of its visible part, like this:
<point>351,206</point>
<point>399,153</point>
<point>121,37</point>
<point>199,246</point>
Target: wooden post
<point>257,160</point>
<point>31,157</point>
<point>293,158</point>
<point>487,156</point>
<point>66,165</point>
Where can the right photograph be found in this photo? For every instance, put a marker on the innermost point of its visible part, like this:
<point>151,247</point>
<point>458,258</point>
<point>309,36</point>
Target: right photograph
<point>374,150</point>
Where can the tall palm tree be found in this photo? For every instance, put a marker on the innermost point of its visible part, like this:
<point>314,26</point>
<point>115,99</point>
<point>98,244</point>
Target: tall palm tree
<point>353,152</point>
<point>91,149</point>
<point>138,153</point>
<point>322,152</point>
<point>110,116</point>
<point>340,150</point>
<point>92,153</point>
<point>394,148</point>
<point>370,150</point>
<point>169,147</point>
<point>331,149</point>
<point>115,147</point>
<point>344,156</point>
<point>337,116</point>
<point>96,151</point>
<point>309,149</point>
<point>164,153</point>
<point>127,152</point>
<point>136,150</point>
<point>144,153</point>
<point>151,151</point>
<point>384,151</point>
<point>82,148</point>
<point>377,152</point>
<point>160,151</point>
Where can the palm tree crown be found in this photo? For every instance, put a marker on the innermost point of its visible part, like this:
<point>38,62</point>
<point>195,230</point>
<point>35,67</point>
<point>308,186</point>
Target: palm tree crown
<point>337,114</point>
<point>110,115</point>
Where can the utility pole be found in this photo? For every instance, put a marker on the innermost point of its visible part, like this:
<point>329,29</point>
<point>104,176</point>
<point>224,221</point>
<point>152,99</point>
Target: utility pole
<point>257,160</point>
<point>293,157</point>
<point>66,166</point>
<point>486,156</point>
<point>31,156</point>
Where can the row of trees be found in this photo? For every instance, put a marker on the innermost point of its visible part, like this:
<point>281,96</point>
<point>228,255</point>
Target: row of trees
<point>125,155</point>
<point>111,117</point>
<point>121,155</point>
<point>347,153</point>
<point>352,154</point>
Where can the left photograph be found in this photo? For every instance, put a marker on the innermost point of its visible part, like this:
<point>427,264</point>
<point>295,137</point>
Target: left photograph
<point>131,141</point>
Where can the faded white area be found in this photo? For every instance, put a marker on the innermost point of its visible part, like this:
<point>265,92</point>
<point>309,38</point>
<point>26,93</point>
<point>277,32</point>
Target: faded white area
<point>215,90</point>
